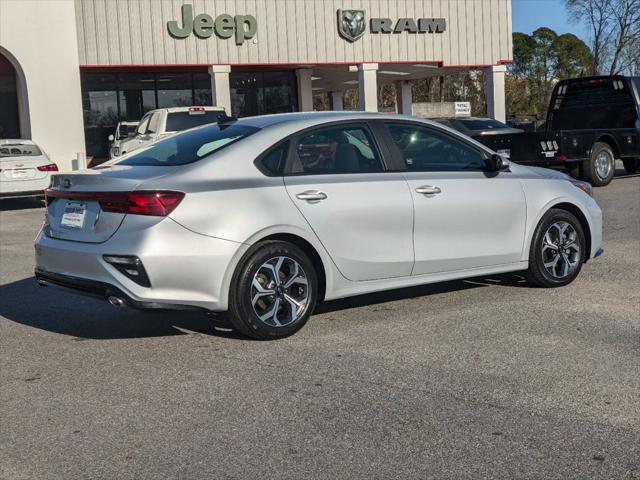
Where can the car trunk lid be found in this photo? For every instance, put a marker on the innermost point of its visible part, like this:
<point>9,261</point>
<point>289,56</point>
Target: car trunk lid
<point>76,201</point>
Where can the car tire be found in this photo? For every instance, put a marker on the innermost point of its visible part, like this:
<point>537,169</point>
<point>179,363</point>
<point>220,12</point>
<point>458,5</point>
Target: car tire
<point>558,250</point>
<point>268,306</point>
<point>631,165</point>
<point>601,167</point>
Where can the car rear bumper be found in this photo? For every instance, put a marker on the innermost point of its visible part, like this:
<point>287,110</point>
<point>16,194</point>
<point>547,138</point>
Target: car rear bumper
<point>25,194</point>
<point>24,188</point>
<point>185,269</point>
<point>101,290</point>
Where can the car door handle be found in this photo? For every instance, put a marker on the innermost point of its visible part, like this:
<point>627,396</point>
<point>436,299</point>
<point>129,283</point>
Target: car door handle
<point>312,195</point>
<point>428,190</point>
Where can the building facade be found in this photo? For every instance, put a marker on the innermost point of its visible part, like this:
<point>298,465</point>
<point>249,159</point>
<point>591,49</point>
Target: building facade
<point>71,69</point>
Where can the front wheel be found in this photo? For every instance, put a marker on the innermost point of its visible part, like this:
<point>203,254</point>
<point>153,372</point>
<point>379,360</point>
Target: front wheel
<point>273,292</point>
<point>601,167</point>
<point>557,250</point>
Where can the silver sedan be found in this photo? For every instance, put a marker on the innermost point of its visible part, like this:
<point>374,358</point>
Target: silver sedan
<point>265,217</point>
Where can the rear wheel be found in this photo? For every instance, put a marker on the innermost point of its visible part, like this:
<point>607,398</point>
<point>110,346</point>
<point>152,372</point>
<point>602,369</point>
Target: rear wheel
<point>557,250</point>
<point>631,165</point>
<point>274,291</point>
<point>599,170</point>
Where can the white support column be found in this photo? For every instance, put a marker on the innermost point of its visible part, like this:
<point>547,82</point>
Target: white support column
<point>336,101</point>
<point>368,87</point>
<point>220,87</point>
<point>305,91</point>
<point>404,97</point>
<point>496,105</point>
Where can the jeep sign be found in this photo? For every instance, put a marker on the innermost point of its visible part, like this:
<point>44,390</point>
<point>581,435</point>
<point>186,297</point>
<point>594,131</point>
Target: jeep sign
<point>352,25</point>
<point>243,27</point>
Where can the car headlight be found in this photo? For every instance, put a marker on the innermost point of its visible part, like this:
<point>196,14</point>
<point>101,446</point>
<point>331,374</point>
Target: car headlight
<point>584,186</point>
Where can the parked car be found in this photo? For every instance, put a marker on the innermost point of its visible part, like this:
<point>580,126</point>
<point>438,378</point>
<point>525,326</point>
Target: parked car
<point>264,217</point>
<point>479,127</point>
<point>25,169</point>
<point>590,123</point>
<point>156,124</point>
<point>124,130</point>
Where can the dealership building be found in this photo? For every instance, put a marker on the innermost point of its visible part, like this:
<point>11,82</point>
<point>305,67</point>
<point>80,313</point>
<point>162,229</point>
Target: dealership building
<point>71,69</point>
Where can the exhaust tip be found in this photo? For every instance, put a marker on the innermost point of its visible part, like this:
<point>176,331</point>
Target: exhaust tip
<point>116,301</point>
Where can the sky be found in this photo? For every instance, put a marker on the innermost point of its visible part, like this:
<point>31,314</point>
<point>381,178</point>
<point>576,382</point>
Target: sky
<point>528,15</point>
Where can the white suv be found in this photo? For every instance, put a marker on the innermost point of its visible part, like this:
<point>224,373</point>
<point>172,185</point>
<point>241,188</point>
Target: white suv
<point>165,121</point>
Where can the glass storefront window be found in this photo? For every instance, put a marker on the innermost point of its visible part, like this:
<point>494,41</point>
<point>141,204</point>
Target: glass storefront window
<point>262,92</point>
<point>137,95</point>
<point>174,90</point>
<point>202,89</point>
<point>110,97</point>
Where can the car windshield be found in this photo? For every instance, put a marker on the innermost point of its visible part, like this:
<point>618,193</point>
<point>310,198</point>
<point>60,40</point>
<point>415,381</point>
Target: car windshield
<point>19,150</point>
<point>188,147</point>
<point>481,123</point>
<point>178,121</point>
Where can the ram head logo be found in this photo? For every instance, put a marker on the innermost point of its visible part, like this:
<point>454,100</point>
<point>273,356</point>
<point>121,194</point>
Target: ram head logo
<point>351,24</point>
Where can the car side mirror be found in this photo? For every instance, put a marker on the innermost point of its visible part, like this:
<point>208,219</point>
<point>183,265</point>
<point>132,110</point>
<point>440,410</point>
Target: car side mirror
<point>111,138</point>
<point>497,163</point>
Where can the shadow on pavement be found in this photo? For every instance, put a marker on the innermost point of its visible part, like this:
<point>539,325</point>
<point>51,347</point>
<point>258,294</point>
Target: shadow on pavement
<point>60,311</point>
<point>9,203</point>
<point>507,280</point>
<point>67,313</point>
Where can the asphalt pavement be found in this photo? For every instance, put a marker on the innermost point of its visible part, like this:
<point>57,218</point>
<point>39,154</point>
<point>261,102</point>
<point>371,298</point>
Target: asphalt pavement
<point>485,378</point>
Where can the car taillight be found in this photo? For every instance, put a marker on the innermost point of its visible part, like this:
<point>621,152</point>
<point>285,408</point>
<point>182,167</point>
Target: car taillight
<point>156,203</point>
<point>52,167</point>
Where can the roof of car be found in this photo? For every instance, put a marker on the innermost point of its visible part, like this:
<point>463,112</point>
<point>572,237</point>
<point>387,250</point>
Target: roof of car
<point>263,121</point>
<point>16,141</point>
<point>186,109</point>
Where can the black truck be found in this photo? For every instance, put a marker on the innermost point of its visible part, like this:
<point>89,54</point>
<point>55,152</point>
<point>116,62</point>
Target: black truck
<point>591,121</point>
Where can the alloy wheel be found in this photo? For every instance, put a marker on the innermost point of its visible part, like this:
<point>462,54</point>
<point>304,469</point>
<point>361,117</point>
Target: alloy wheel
<point>604,164</point>
<point>279,292</point>
<point>561,250</point>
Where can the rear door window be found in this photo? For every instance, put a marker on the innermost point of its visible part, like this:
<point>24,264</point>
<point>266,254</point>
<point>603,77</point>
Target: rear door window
<point>337,149</point>
<point>154,123</point>
<point>188,147</point>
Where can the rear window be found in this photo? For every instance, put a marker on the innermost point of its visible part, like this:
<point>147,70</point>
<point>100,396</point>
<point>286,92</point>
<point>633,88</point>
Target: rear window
<point>19,150</point>
<point>482,124</point>
<point>189,147</point>
<point>178,121</point>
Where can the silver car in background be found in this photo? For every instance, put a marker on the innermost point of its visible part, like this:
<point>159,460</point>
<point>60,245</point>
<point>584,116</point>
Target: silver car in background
<point>264,217</point>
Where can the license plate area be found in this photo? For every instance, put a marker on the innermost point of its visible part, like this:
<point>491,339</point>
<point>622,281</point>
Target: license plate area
<point>74,215</point>
<point>18,174</point>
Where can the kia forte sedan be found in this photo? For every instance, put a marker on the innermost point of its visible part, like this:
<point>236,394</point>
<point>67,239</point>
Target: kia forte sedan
<point>265,217</point>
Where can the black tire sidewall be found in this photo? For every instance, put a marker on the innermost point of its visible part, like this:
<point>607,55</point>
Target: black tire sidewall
<point>242,315</point>
<point>593,176</point>
<point>536,263</point>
